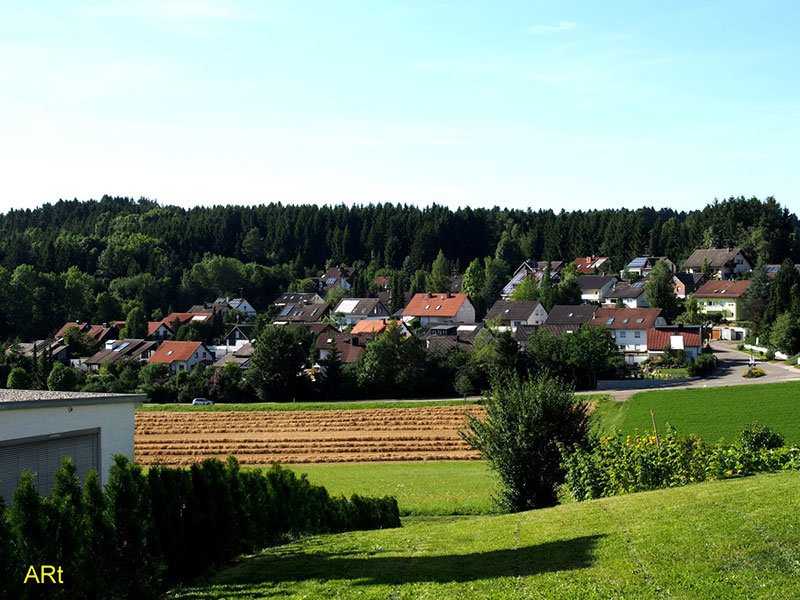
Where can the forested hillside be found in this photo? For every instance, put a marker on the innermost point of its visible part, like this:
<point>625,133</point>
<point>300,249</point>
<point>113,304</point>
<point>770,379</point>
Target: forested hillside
<point>83,260</point>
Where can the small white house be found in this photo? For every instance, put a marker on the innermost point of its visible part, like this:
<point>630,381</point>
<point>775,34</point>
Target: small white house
<point>39,428</point>
<point>595,287</point>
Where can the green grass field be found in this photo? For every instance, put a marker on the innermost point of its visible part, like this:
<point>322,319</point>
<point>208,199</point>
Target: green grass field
<point>422,488</point>
<point>714,413</point>
<point>726,540</point>
<point>268,406</point>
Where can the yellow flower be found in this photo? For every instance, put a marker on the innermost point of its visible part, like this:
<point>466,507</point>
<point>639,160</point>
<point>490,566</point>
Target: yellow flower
<point>729,472</point>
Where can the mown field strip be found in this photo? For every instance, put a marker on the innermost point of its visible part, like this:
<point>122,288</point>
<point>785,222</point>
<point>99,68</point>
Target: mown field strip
<point>305,437</point>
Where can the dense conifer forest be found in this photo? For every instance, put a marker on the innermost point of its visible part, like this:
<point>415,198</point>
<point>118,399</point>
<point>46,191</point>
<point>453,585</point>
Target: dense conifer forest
<point>85,260</point>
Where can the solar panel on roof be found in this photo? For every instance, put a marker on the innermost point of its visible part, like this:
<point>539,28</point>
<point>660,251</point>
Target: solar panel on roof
<point>638,284</point>
<point>639,261</point>
<point>286,310</point>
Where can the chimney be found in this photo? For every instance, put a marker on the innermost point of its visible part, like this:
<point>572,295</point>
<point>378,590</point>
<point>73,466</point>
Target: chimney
<point>588,259</point>
<point>680,326</point>
<point>431,295</point>
<point>449,294</point>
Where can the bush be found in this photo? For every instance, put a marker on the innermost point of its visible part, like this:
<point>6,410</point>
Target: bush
<point>62,378</point>
<point>740,346</point>
<point>770,353</point>
<point>756,437</point>
<point>525,421</point>
<point>620,464</point>
<point>703,365</point>
<point>18,379</point>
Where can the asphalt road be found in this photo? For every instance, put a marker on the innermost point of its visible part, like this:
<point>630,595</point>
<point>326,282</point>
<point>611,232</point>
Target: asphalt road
<point>732,365</point>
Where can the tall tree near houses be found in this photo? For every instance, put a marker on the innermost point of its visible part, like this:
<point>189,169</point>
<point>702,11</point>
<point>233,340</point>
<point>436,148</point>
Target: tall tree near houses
<point>781,296</point>
<point>135,325</point>
<point>756,297</point>
<point>706,269</point>
<point>659,292</point>
<point>439,279</point>
<point>397,292</point>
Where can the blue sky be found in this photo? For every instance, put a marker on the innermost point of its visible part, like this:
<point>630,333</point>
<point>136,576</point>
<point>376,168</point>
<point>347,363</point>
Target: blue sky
<point>518,104</point>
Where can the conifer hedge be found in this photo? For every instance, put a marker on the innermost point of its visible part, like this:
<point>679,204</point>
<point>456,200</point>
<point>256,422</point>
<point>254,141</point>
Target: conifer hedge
<point>144,532</point>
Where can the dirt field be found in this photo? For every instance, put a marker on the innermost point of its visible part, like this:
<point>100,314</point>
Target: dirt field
<point>341,436</point>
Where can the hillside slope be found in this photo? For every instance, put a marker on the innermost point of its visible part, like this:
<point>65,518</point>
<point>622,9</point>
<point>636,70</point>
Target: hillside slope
<point>731,539</point>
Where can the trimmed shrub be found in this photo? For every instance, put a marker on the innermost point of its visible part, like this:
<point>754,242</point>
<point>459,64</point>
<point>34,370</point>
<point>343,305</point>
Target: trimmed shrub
<point>757,437</point>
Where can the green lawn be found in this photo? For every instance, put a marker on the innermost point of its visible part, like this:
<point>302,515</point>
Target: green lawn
<point>713,413</point>
<point>722,540</point>
<point>267,406</point>
<point>421,488</point>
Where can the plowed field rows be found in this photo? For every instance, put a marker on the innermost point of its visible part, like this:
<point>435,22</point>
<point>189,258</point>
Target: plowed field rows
<point>293,437</point>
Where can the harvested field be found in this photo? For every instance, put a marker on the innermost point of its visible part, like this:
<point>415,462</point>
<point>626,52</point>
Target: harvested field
<point>301,437</point>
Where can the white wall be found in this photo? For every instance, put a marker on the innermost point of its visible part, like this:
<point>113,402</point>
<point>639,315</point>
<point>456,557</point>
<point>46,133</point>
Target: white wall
<point>114,420</point>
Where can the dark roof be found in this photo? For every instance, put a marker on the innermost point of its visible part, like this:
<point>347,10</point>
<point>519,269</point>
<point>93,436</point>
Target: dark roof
<point>350,346</point>
<point>334,274</point>
<point>509,310</point>
<point>303,313</point>
<point>716,257</point>
<point>626,290</point>
<point>568,314</point>
<point>625,318</point>
<point>362,307</point>
<point>121,350</point>
<point>456,283</point>
<point>523,332</point>
<point>691,280</point>
<point>246,331</point>
<point>559,330</point>
<point>722,289</point>
<point>240,356</point>
<point>296,298</point>
<point>594,282</point>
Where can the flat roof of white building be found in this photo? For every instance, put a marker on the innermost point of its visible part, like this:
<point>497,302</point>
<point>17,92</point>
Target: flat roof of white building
<point>18,399</point>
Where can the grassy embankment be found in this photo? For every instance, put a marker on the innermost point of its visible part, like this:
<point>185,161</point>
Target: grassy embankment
<point>713,413</point>
<point>729,539</point>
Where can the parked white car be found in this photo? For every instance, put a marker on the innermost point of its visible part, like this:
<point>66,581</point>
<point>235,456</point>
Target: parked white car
<point>202,401</point>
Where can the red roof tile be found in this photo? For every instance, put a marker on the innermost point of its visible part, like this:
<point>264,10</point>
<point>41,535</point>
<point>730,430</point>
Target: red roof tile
<point>658,339</point>
<point>435,305</point>
<point>169,352</point>
<point>372,326</point>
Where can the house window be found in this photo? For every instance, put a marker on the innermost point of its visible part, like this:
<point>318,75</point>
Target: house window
<point>195,354</point>
<point>637,334</point>
<point>622,334</point>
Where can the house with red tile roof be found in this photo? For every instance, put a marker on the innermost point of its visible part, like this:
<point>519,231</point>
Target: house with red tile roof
<point>588,265</point>
<point>628,327</point>
<point>722,298</point>
<point>379,326</point>
<point>101,333</point>
<point>440,308</point>
<point>688,338</point>
<point>182,356</point>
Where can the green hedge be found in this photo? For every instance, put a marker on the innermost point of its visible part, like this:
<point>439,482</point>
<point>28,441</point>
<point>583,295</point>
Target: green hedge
<point>143,532</point>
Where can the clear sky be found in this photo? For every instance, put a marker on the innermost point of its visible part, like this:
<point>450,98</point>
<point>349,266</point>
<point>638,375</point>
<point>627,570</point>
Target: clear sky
<point>541,104</point>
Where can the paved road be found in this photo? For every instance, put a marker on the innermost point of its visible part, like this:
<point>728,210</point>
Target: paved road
<point>732,364</point>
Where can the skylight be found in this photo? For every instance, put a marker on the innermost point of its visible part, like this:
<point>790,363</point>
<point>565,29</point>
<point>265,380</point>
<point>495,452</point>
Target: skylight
<point>640,320</point>
<point>438,306</point>
<point>610,321</point>
<point>507,310</point>
<point>169,352</point>
<point>624,320</point>
<point>569,316</point>
<point>427,306</point>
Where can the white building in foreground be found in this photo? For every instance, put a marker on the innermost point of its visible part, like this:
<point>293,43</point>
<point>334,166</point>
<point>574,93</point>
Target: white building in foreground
<point>39,428</point>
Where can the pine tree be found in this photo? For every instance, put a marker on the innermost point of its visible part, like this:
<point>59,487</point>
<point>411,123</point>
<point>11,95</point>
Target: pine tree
<point>438,281</point>
<point>659,290</point>
<point>397,295</point>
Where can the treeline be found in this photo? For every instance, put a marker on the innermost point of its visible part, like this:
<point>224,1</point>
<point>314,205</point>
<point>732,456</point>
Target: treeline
<point>143,532</point>
<point>56,260</point>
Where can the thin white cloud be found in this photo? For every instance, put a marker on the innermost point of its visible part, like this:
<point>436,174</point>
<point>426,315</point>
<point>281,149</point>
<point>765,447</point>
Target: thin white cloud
<point>545,29</point>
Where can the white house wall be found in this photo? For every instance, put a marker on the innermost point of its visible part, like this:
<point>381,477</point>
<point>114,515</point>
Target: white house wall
<point>115,422</point>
